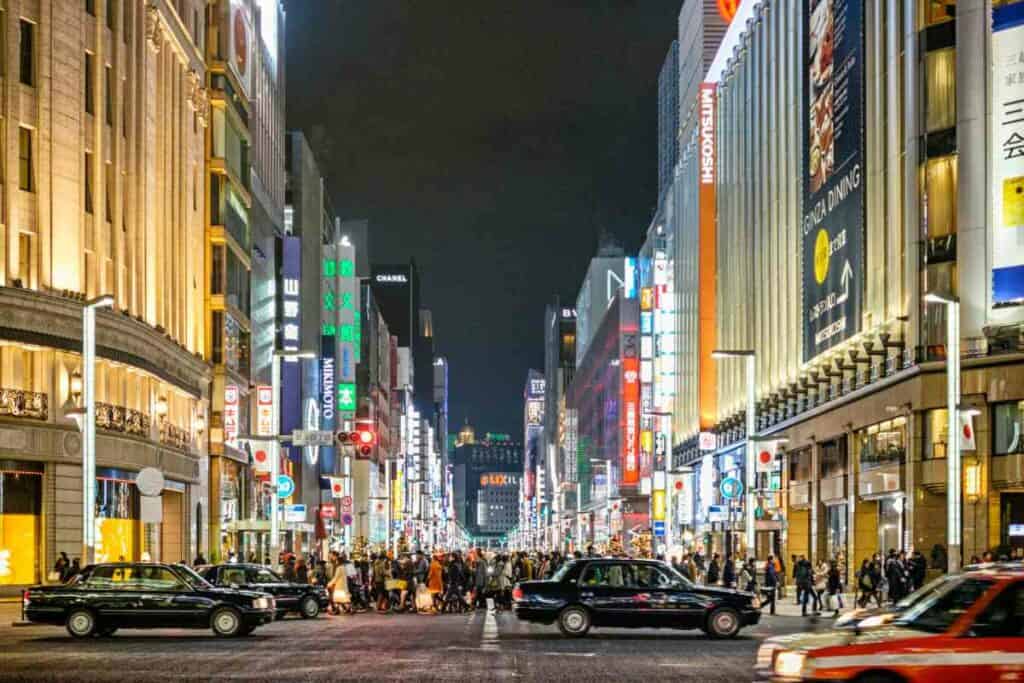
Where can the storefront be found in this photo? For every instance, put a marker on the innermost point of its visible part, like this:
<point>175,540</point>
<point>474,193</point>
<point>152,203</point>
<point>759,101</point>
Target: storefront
<point>21,495</point>
<point>118,529</point>
<point>881,455</point>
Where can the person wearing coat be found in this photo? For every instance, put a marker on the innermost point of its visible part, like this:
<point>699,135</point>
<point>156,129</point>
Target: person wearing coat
<point>435,582</point>
<point>480,580</point>
<point>712,575</point>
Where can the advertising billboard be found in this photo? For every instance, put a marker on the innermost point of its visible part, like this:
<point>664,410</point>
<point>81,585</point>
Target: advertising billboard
<point>1007,147</point>
<point>290,321</point>
<point>630,421</point>
<point>708,246</point>
<point>833,194</point>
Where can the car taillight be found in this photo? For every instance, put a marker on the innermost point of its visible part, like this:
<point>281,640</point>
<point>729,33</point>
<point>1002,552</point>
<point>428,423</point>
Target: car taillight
<point>517,593</point>
<point>24,598</point>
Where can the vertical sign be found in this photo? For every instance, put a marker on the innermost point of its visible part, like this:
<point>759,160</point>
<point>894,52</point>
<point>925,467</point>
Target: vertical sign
<point>533,460</point>
<point>707,271</point>
<point>349,330</point>
<point>328,350</point>
<point>231,416</point>
<point>264,410</point>
<point>1007,149</point>
<point>290,320</point>
<point>630,421</point>
<point>833,207</point>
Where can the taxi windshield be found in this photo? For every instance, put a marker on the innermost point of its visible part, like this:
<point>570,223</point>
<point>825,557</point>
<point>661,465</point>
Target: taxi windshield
<point>925,591</point>
<point>937,612</point>
<point>194,579</point>
<point>563,570</point>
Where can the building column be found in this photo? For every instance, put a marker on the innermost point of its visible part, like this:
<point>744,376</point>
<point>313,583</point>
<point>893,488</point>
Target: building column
<point>972,97</point>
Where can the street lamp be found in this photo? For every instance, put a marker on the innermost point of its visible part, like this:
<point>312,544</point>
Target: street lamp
<point>275,461</point>
<point>85,417</point>
<point>749,525</point>
<point>953,464</point>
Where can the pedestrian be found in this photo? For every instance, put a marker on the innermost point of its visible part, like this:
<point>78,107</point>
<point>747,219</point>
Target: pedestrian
<point>381,574</point>
<point>803,576</point>
<point>771,583</point>
<point>199,561</point>
<point>301,571</point>
<point>480,577</point>
<point>834,587</point>
<point>74,570</point>
<point>918,570</point>
<point>793,562</point>
<point>748,576</point>
<point>713,571</point>
<point>61,567</point>
<point>337,582</point>
<point>820,583</point>
<point>729,572</point>
<point>289,569</point>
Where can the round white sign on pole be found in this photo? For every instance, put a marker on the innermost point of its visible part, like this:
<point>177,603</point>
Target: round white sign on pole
<point>150,481</point>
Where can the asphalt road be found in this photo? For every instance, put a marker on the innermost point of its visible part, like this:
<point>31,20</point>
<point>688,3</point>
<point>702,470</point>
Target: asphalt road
<point>476,646</point>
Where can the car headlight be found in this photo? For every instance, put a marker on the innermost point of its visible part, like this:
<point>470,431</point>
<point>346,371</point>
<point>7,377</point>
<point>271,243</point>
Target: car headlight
<point>263,603</point>
<point>789,663</point>
<point>764,656</point>
<point>755,602</point>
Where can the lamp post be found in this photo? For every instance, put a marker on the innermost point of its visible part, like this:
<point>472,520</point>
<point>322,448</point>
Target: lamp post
<point>85,417</point>
<point>275,461</point>
<point>749,524</point>
<point>954,487</point>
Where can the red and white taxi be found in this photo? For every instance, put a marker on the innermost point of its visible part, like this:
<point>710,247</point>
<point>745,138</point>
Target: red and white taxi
<point>971,629</point>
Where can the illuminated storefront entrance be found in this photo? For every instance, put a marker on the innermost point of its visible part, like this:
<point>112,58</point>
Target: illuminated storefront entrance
<point>21,492</point>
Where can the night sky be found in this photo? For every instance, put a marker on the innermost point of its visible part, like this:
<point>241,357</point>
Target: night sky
<point>491,141</point>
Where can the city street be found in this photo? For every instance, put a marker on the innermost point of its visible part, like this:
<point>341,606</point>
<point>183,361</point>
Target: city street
<point>475,646</point>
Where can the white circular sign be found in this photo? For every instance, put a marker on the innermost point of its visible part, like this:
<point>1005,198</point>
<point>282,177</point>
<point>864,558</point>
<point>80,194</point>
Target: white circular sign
<point>150,481</point>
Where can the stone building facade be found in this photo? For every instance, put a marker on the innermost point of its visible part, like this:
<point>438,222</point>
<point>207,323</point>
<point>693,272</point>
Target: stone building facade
<point>104,114</point>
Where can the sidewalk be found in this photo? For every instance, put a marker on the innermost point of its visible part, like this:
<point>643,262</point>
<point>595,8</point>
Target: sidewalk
<point>787,606</point>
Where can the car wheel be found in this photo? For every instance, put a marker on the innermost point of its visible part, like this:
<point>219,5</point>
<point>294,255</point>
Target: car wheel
<point>309,608</point>
<point>107,631</point>
<point>226,622</point>
<point>878,677</point>
<point>574,621</point>
<point>724,622</point>
<point>81,623</point>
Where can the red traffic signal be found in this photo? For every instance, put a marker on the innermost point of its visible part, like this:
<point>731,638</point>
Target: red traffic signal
<point>342,437</point>
<point>365,439</point>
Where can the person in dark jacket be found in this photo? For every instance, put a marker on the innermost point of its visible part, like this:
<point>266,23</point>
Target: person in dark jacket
<point>713,571</point>
<point>803,575</point>
<point>834,586</point>
<point>62,566</point>
<point>301,571</point>
<point>918,570</point>
<point>729,572</point>
<point>771,583</point>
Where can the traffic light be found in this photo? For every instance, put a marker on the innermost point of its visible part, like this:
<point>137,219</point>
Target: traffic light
<point>342,437</point>
<point>365,439</point>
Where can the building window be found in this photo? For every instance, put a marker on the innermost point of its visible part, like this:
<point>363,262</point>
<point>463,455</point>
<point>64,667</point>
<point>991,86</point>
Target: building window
<point>939,203</point>
<point>90,7</point>
<point>937,277</point>
<point>936,434</point>
<point>883,444</point>
<point>108,194</point>
<point>108,96</point>
<point>833,458</point>
<point>800,465</point>
<point>940,89</point>
<point>936,11</point>
<point>217,269</point>
<point>26,170</point>
<point>87,185</point>
<point>126,21</point>
<point>124,108</point>
<point>26,53</point>
<point>25,259</point>
<point>111,12</point>
<point>1007,438</point>
<point>90,100</point>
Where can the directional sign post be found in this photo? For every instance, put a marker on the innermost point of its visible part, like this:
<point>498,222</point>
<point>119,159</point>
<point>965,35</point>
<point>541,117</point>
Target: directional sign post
<point>312,437</point>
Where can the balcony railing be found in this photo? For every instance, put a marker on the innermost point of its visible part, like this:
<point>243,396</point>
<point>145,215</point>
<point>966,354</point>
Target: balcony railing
<point>19,403</point>
<point>174,436</point>
<point>120,419</point>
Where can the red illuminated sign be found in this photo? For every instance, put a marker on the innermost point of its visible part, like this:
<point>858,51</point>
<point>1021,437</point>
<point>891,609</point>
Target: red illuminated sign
<point>728,9</point>
<point>630,421</point>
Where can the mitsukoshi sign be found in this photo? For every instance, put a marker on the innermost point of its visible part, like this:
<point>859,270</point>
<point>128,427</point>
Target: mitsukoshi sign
<point>834,178</point>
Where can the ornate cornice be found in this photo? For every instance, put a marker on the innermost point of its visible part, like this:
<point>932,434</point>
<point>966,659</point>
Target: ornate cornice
<point>43,319</point>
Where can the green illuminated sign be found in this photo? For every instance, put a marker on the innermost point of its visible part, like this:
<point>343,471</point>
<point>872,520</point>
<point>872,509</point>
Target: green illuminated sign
<point>346,397</point>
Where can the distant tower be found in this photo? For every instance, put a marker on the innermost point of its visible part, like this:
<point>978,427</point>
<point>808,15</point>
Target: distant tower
<point>467,435</point>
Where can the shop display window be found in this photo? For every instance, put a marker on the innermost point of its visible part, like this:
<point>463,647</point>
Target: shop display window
<point>1006,428</point>
<point>936,434</point>
<point>884,443</point>
<point>117,520</point>
<point>20,509</point>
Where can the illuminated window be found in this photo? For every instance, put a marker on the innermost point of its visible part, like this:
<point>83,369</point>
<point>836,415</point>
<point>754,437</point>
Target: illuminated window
<point>1007,428</point>
<point>20,509</point>
<point>936,434</point>
<point>940,89</point>
<point>936,11</point>
<point>940,184</point>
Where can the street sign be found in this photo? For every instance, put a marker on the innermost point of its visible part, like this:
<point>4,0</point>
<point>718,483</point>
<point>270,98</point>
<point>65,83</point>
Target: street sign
<point>731,487</point>
<point>346,503</point>
<point>659,527</point>
<point>285,486</point>
<point>717,513</point>
<point>346,519</point>
<point>312,437</point>
<point>295,513</point>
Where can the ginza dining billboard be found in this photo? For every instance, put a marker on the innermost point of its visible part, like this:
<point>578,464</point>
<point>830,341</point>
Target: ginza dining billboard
<point>834,177</point>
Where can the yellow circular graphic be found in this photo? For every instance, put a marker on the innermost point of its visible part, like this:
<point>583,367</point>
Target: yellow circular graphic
<point>821,249</point>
